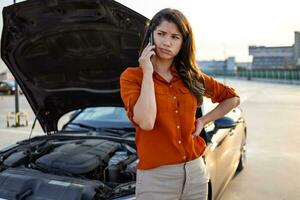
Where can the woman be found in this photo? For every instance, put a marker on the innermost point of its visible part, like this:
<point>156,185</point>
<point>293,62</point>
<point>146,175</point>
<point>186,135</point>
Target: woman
<point>161,97</point>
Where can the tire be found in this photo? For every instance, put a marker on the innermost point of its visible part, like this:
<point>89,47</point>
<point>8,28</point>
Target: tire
<point>242,161</point>
<point>209,196</point>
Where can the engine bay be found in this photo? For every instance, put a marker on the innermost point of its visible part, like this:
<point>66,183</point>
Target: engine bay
<point>73,168</point>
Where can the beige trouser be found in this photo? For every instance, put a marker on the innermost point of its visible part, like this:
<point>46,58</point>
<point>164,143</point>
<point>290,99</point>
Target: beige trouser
<point>184,181</point>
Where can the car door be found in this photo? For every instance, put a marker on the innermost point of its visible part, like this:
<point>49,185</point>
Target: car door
<point>235,137</point>
<point>223,147</point>
<point>219,147</point>
<point>226,143</point>
<point>220,150</point>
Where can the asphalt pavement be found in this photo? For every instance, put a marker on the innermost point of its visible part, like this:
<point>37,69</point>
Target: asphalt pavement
<point>272,112</point>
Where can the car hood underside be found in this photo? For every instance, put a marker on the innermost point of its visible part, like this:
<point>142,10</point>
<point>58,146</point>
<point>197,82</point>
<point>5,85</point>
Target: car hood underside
<point>69,54</point>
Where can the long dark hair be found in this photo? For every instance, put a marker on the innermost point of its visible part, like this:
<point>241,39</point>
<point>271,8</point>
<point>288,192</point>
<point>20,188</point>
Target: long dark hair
<point>185,60</point>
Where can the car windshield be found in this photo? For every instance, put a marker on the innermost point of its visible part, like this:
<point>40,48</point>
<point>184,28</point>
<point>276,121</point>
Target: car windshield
<point>101,119</point>
<point>103,114</point>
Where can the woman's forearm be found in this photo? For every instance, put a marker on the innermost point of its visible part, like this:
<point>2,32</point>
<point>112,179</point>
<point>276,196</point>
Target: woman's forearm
<point>222,109</point>
<point>144,111</point>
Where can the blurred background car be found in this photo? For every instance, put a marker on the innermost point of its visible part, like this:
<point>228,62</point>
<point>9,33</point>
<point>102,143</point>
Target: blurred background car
<point>8,87</point>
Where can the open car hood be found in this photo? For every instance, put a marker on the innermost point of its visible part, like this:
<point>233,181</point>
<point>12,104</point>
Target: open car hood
<point>69,54</point>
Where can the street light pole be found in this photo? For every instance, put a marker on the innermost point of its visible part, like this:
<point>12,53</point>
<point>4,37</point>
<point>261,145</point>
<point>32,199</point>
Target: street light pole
<point>17,104</point>
<point>17,100</point>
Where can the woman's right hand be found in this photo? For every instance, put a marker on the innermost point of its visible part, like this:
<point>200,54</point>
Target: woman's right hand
<point>145,58</point>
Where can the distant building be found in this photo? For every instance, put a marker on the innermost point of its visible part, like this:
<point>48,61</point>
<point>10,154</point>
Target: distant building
<point>284,57</point>
<point>244,65</point>
<point>297,49</point>
<point>218,65</point>
<point>272,57</point>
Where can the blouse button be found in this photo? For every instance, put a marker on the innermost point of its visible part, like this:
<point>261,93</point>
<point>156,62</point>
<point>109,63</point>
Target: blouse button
<point>178,127</point>
<point>174,97</point>
<point>179,142</point>
<point>176,111</point>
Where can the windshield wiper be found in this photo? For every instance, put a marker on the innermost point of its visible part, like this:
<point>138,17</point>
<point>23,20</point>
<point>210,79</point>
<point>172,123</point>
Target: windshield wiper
<point>112,130</point>
<point>84,126</point>
<point>100,129</point>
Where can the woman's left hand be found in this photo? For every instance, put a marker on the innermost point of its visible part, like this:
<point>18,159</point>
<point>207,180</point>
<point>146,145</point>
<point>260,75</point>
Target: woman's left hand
<point>199,126</point>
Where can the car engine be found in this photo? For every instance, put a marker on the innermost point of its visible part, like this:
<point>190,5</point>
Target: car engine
<point>83,165</point>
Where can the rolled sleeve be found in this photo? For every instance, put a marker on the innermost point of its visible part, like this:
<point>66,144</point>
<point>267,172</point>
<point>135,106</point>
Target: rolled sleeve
<point>217,91</point>
<point>130,91</point>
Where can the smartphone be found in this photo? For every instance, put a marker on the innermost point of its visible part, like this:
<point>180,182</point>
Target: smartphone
<point>151,39</point>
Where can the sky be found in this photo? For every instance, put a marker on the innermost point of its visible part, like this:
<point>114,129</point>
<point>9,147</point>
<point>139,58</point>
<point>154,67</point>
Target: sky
<point>224,28</point>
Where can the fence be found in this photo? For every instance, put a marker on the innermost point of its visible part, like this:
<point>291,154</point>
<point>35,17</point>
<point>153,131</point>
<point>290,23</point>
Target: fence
<point>287,75</point>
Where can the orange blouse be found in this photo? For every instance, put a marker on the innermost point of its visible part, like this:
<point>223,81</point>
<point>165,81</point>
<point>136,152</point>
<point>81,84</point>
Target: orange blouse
<point>170,141</point>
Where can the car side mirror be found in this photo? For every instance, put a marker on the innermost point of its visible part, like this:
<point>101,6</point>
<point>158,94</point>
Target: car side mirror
<point>224,122</point>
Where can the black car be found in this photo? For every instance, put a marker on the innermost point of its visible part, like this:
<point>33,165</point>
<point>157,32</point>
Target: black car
<point>67,56</point>
<point>225,138</point>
